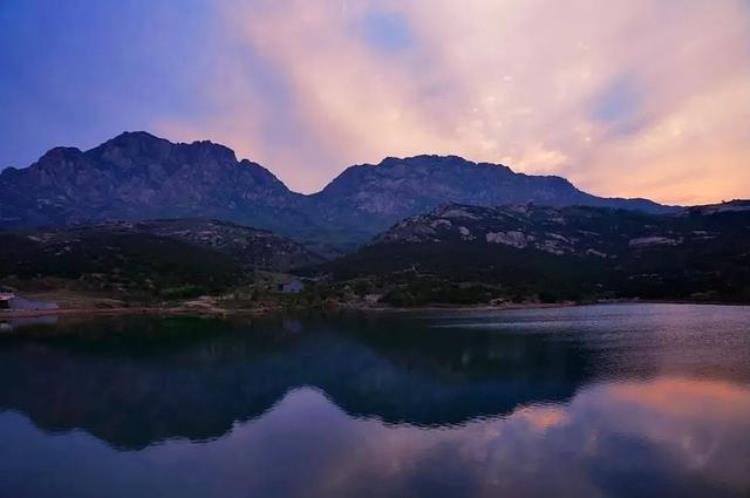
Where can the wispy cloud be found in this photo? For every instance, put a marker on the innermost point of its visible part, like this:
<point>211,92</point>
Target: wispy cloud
<point>627,97</point>
<point>633,98</point>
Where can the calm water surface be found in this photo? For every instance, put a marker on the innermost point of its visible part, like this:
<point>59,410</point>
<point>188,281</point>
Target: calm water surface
<point>624,400</point>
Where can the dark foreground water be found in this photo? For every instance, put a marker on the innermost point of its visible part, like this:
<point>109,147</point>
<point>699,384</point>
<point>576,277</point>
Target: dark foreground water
<point>626,400</point>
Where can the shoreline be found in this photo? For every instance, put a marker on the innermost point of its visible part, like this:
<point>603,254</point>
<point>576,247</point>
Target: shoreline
<point>229,312</point>
<point>456,308</point>
<point>177,311</point>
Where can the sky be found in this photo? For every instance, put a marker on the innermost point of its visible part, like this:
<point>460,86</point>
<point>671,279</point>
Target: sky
<point>632,98</point>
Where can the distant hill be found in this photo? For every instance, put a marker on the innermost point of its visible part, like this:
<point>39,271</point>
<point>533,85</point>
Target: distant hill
<point>116,261</point>
<point>253,249</point>
<point>137,176</point>
<point>561,253</point>
<point>133,256</point>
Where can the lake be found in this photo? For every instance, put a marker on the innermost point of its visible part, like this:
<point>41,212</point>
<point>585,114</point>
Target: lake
<point>608,400</point>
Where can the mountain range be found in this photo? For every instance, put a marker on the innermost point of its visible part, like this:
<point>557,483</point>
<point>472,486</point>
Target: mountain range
<point>140,214</point>
<point>137,176</point>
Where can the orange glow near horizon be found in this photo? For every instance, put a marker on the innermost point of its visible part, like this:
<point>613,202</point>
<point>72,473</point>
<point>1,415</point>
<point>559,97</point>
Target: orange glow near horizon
<point>628,98</point>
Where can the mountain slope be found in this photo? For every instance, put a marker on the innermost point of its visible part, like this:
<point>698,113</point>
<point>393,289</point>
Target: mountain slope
<point>379,195</point>
<point>253,249</point>
<point>201,252</point>
<point>139,176</point>
<point>566,253</point>
<point>107,259</point>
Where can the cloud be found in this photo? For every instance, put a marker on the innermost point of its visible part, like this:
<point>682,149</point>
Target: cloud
<point>627,98</point>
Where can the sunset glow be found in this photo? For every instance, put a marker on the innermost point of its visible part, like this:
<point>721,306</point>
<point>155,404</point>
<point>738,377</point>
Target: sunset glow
<point>626,98</point>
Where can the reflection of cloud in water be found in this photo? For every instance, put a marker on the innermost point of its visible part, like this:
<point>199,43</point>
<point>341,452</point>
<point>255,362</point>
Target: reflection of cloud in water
<point>616,401</point>
<point>610,439</point>
<point>558,450</point>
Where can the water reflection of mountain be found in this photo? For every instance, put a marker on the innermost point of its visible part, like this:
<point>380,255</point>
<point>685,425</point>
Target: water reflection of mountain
<point>133,382</point>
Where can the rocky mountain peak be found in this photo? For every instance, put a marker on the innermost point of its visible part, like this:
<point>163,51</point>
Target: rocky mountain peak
<point>133,149</point>
<point>59,154</point>
<point>433,161</point>
<point>134,142</point>
<point>219,153</point>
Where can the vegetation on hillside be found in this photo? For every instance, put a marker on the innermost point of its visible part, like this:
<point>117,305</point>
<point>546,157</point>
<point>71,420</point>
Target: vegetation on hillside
<point>455,255</point>
<point>460,254</point>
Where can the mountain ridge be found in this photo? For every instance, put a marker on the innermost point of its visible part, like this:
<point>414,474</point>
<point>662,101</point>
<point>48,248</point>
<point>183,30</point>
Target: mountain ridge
<point>137,175</point>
